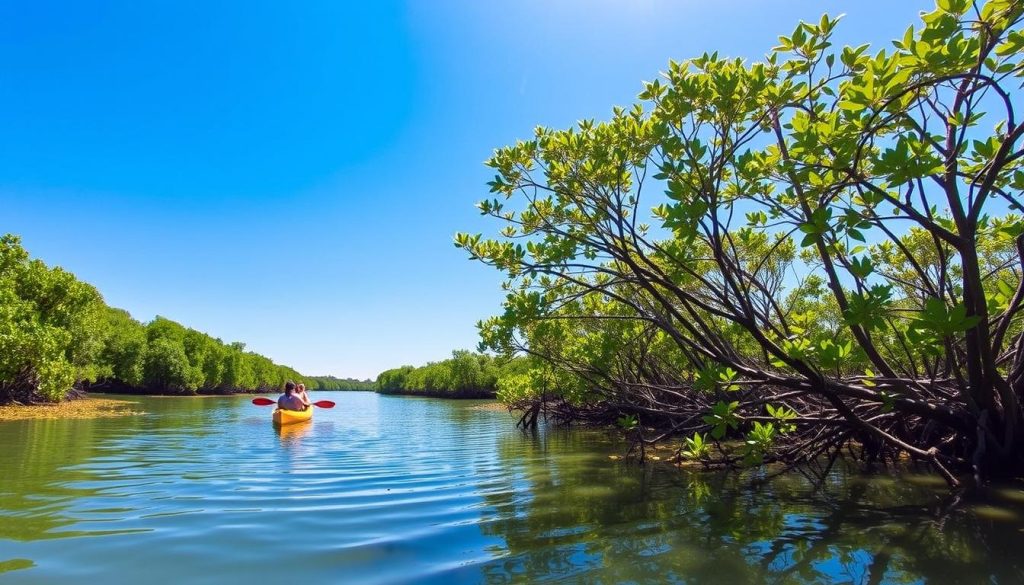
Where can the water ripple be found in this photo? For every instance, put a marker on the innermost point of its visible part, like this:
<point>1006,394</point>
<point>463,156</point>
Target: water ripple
<point>398,490</point>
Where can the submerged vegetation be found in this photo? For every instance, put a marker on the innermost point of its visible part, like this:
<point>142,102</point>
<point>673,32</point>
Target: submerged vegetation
<point>70,409</point>
<point>785,259</point>
<point>57,333</point>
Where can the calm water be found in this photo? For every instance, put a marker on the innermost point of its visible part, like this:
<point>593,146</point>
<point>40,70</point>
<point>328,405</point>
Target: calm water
<point>403,490</point>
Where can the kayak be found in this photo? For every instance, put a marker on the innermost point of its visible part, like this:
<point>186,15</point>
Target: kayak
<point>287,417</point>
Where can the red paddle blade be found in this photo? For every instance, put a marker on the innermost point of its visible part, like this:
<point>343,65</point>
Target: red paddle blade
<point>263,401</point>
<point>324,404</point>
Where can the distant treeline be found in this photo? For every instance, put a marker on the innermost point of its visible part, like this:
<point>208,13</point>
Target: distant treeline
<point>56,333</point>
<point>165,357</point>
<point>464,375</point>
<point>332,383</point>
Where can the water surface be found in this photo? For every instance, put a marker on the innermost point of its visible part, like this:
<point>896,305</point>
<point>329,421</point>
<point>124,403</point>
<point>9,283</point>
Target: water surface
<point>405,490</point>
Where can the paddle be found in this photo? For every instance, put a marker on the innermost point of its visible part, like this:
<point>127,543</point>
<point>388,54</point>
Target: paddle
<point>269,402</point>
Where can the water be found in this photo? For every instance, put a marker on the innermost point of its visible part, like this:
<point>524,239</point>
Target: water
<point>404,490</point>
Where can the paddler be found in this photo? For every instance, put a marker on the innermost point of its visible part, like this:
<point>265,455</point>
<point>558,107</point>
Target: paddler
<point>300,393</point>
<point>290,401</point>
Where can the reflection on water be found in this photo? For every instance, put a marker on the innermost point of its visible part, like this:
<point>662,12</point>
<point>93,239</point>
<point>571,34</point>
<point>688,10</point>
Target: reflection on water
<point>400,490</point>
<point>293,434</point>
<point>623,523</point>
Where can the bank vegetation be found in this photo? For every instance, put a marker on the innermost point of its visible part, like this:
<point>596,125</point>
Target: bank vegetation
<point>785,260</point>
<point>58,335</point>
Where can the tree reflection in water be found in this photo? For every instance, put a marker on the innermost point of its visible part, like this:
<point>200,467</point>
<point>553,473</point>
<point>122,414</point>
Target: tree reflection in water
<point>568,511</point>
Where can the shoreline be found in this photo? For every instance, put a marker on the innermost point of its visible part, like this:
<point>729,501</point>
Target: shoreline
<point>87,407</point>
<point>104,404</point>
<point>465,395</point>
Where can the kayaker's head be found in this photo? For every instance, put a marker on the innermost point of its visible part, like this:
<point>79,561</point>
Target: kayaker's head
<point>301,387</point>
<point>289,387</point>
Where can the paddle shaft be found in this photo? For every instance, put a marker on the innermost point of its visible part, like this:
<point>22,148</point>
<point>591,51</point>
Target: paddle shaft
<point>269,402</point>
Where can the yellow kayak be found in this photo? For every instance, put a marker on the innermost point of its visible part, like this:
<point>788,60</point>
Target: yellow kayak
<point>288,417</point>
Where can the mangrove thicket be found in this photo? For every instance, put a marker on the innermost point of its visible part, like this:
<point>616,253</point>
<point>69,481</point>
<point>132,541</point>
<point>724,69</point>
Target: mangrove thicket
<point>464,375</point>
<point>56,333</point>
<point>783,260</point>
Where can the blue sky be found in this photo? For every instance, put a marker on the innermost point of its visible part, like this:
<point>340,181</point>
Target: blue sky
<point>290,175</point>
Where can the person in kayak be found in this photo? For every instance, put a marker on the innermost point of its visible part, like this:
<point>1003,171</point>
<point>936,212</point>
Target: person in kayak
<point>300,393</point>
<point>290,401</point>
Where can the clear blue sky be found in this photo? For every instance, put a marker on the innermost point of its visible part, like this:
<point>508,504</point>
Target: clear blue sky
<point>290,174</point>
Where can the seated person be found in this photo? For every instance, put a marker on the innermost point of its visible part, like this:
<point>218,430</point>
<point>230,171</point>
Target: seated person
<point>290,401</point>
<point>300,393</point>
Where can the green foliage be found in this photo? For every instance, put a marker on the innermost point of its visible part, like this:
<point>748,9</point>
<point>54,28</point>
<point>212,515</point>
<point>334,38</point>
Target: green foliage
<point>722,418</point>
<point>937,322</point>
<point>464,375</point>
<point>332,383</point>
<point>715,376</point>
<point>758,442</point>
<point>782,416</point>
<point>56,331</point>
<point>124,348</point>
<point>628,422</point>
<point>696,447</point>
<point>166,367</point>
<point>178,360</point>
<point>49,322</point>
<point>823,213</point>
